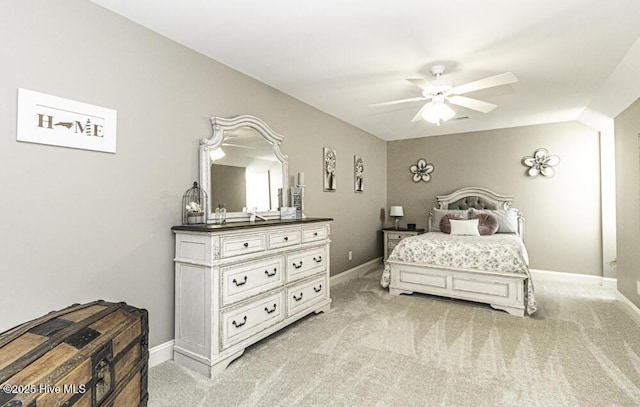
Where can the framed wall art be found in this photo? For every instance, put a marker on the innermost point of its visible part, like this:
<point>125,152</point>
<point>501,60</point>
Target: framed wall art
<point>358,173</point>
<point>329,155</point>
<point>46,119</point>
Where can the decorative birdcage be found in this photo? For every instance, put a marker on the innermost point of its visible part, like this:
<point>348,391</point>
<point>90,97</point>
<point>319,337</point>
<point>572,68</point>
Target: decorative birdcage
<point>194,206</point>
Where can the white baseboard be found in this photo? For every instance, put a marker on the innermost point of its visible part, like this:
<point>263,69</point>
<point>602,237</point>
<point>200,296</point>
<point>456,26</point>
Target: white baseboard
<point>161,353</point>
<point>583,279</point>
<point>355,272</point>
<point>628,306</point>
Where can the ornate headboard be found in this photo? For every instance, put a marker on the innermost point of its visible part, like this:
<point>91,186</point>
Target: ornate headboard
<point>477,198</point>
<point>474,197</point>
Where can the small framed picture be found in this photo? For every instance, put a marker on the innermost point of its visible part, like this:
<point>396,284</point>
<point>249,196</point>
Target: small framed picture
<point>329,166</point>
<point>288,212</point>
<point>358,173</point>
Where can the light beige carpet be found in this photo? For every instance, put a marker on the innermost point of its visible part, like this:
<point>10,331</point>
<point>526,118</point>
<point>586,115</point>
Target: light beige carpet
<point>374,349</point>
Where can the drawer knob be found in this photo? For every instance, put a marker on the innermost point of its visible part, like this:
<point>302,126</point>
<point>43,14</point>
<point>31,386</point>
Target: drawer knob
<point>317,289</point>
<point>297,265</point>
<point>270,311</point>
<point>297,298</point>
<point>239,324</point>
<point>286,238</point>
<point>271,274</point>
<point>246,244</point>
<point>318,260</point>
<point>238,284</point>
<point>315,233</point>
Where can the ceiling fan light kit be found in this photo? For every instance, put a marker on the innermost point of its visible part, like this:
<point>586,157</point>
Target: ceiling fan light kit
<point>437,112</point>
<point>441,91</point>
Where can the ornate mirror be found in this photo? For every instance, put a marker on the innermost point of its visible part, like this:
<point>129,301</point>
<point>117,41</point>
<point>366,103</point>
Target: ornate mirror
<point>243,170</point>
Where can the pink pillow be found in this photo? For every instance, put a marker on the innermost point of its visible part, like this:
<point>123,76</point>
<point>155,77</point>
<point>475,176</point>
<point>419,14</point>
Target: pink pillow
<point>487,223</point>
<point>445,225</point>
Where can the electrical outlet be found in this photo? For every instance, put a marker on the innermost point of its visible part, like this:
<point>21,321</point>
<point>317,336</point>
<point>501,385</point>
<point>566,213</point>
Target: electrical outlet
<point>351,258</point>
<point>638,287</point>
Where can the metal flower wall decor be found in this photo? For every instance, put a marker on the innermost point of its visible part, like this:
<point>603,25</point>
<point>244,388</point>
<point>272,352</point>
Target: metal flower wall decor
<point>422,171</point>
<point>541,163</point>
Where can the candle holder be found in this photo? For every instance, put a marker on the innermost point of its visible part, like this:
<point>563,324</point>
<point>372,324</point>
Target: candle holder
<point>297,196</point>
<point>297,200</point>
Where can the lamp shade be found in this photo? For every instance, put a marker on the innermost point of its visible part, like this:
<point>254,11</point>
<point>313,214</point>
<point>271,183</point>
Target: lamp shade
<point>396,211</point>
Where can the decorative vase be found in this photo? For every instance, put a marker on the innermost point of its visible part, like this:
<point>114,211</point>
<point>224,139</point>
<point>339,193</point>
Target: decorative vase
<point>195,218</point>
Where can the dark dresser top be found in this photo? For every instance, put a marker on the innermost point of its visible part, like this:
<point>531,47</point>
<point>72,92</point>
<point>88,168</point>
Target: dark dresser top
<point>245,225</point>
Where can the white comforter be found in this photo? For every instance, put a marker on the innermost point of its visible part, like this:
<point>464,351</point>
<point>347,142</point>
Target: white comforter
<point>504,253</point>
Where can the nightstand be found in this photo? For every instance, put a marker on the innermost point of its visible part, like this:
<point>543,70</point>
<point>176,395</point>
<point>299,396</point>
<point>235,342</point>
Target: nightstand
<point>392,237</point>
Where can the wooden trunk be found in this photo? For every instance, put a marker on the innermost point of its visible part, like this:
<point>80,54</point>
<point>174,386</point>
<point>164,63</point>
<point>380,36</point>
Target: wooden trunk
<point>93,354</point>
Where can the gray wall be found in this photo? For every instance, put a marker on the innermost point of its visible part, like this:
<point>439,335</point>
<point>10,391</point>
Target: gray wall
<point>563,230</point>
<point>82,225</point>
<point>627,131</point>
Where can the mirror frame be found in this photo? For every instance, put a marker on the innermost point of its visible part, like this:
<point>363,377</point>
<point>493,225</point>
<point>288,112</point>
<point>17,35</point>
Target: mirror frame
<point>220,126</point>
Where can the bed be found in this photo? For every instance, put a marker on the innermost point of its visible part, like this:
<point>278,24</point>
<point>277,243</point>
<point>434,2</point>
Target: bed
<point>492,268</point>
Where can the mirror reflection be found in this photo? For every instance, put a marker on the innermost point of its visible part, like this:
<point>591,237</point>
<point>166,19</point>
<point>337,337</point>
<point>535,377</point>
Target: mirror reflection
<point>245,174</point>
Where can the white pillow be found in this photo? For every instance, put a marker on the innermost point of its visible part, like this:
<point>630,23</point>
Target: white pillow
<point>468,227</point>
<point>437,215</point>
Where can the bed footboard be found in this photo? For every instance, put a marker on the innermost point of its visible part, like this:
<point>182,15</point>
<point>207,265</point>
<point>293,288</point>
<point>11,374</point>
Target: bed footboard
<point>503,291</point>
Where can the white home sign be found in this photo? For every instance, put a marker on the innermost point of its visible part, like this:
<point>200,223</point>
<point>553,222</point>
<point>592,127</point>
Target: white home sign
<point>52,120</point>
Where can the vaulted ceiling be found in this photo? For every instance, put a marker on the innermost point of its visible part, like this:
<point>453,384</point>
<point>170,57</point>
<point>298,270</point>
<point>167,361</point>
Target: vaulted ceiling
<point>572,58</point>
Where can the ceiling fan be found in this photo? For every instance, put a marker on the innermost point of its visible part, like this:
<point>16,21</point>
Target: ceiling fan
<point>439,91</point>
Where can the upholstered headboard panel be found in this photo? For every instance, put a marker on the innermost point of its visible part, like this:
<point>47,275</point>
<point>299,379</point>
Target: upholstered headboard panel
<point>476,202</point>
<point>477,198</point>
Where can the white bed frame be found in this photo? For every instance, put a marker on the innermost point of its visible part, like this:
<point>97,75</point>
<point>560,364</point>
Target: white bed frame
<point>503,291</point>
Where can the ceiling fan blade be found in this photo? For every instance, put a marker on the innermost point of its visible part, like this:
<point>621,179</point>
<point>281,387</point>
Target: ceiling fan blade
<point>395,102</point>
<point>421,83</point>
<point>474,104</point>
<point>497,80</point>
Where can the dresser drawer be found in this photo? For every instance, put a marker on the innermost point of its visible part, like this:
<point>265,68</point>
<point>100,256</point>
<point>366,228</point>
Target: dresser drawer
<point>240,323</point>
<point>247,279</point>
<point>391,244</point>
<point>284,238</point>
<point>306,263</point>
<point>304,295</point>
<point>312,234</point>
<point>242,244</point>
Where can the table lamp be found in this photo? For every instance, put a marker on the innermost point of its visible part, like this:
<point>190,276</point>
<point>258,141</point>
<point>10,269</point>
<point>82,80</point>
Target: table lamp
<point>396,211</point>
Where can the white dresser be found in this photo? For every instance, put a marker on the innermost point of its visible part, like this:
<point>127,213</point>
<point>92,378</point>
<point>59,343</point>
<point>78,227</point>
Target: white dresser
<point>240,282</point>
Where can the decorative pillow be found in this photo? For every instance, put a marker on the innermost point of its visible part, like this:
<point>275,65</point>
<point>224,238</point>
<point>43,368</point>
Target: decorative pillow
<point>507,218</point>
<point>468,227</point>
<point>445,225</point>
<point>439,213</point>
<point>487,223</point>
